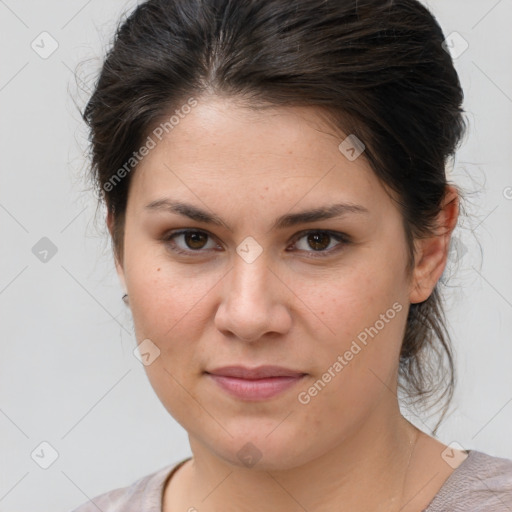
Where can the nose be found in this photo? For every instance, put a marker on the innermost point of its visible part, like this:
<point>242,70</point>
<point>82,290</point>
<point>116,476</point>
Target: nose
<point>253,302</point>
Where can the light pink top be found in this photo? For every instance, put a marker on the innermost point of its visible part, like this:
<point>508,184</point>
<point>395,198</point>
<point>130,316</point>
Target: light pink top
<point>482,483</point>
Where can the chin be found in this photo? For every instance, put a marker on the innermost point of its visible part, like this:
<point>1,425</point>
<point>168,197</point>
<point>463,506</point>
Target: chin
<point>261,453</point>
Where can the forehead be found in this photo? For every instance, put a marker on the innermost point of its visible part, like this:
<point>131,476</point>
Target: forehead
<point>224,147</point>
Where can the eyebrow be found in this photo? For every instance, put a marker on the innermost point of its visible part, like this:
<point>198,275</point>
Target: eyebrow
<point>285,221</point>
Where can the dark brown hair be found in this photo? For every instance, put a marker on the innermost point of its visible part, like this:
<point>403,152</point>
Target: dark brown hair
<point>376,68</point>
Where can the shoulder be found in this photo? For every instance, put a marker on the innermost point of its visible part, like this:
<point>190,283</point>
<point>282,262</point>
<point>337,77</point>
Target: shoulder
<point>143,495</point>
<point>482,483</point>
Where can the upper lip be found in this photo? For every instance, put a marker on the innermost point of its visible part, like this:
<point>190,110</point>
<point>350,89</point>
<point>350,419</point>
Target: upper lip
<point>259,372</point>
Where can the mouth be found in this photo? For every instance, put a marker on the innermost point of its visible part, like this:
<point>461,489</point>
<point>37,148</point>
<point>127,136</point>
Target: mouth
<point>253,384</point>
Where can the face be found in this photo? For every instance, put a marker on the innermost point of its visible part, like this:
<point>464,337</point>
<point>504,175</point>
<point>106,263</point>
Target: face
<point>327,298</point>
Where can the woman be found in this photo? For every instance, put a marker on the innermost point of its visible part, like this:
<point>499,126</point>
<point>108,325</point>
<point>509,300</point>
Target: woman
<point>274,174</point>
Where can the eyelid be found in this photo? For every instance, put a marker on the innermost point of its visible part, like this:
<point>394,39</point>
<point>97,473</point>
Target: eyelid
<point>169,238</point>
<point>340,237</point>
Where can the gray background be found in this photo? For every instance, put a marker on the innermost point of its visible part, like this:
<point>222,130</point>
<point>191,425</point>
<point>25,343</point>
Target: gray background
<point>68,375</point>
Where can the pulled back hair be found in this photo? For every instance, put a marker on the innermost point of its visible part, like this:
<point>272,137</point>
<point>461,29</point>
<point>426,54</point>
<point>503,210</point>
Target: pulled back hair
<point>375,68</point>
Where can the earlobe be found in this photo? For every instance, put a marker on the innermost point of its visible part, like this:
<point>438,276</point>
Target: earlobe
<point>432,252</point>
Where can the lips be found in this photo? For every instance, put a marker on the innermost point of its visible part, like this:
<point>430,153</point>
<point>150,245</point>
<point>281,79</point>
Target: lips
<point>260,372</point>
<point>253,384</point>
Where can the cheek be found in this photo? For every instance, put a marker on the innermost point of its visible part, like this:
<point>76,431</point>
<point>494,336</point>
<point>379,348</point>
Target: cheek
<point>171,313</point>
<point>164,300</point>
<point>357,370</point>
<point>361,313</point>
<point>352,299</point>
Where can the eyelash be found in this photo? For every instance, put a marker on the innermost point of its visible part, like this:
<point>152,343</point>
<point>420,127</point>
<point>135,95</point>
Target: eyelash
<point>339,237</point>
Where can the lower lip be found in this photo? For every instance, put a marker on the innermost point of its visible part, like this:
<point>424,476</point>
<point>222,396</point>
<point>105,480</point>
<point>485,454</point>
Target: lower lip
<point>256,389</point>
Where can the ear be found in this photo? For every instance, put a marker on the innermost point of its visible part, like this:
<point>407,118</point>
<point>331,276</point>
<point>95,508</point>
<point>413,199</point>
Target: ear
<point>119,266</point>
<point>432,253</point>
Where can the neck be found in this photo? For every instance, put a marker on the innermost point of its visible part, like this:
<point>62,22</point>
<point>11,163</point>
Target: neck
<point>374,456</point>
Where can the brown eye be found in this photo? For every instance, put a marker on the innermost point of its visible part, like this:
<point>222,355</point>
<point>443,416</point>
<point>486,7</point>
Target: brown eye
<point>194,242</point>
<point>195,239</point>
<point>191,241</point>
<point>319,241</point>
